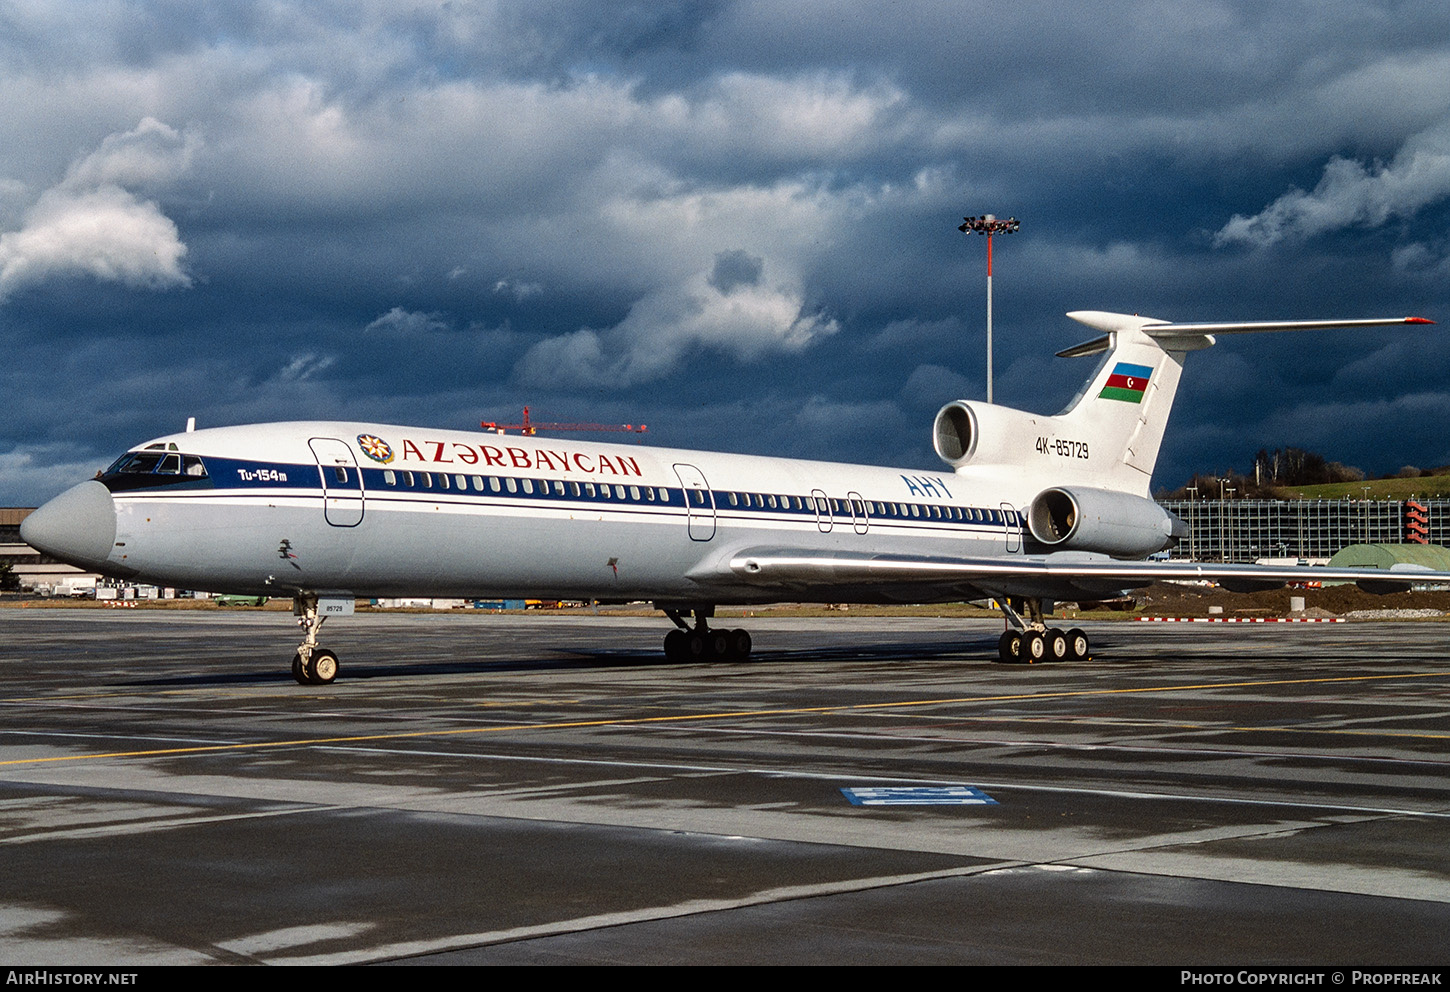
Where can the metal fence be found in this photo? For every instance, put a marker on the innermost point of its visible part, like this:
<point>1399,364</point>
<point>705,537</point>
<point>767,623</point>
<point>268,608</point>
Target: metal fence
<point>1243,530</point>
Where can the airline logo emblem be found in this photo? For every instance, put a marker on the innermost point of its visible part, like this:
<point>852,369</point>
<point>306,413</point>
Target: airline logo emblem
<point>375,448</point>
<point>1126,383</point>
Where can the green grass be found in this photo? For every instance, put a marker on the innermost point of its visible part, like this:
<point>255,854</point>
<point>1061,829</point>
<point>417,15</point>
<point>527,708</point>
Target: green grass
<point>1428,486</point>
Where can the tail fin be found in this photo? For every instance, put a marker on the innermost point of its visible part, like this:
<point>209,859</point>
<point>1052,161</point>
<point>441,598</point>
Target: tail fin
<point>1125,405</point>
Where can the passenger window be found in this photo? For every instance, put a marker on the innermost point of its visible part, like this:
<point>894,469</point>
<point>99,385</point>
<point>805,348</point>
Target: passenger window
<point>649,493</point>
<point>442,481</point>
<point>511,484</point>
<point>734,500</point>
<point>427,480</point>
<point>408,480</point>
<point>478,483</point>
<point>589,489</point>
<point>338,471</point>
<point>528,485</point>
<point>494,484</point>
<point>390,477</point>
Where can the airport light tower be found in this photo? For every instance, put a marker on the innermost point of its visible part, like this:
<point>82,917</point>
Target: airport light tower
<point>989,225</point>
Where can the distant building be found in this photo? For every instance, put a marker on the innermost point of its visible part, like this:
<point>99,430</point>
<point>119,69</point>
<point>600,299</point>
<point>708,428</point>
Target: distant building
<point>33,569</point>
<point>1245,530</point>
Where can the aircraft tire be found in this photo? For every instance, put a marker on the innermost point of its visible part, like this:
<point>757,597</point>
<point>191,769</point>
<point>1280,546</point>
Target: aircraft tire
<point>740,644</point>
<point>696,647</point>
<point>323,668</point>
<point>297,669</point>
<point>1034,648</point>
<point>1057,646</point>
<point>717,645</point>
<point>675,646</point>
<point>1078,646</point>
<point>1009,647</point>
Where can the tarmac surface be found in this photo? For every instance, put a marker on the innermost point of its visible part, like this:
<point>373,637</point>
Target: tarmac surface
<point>520,789</point>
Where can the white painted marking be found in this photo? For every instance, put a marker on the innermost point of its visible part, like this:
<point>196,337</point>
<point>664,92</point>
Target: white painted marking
<point>289,937</point>
<point>691,907</point>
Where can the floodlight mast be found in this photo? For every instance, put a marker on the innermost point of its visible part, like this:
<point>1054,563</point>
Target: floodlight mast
<point>989,225</point>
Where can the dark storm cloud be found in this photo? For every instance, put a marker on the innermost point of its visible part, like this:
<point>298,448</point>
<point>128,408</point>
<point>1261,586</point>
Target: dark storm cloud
<point>733,221</point>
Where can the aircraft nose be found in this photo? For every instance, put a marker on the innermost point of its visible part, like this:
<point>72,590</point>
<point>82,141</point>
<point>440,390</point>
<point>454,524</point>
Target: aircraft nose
<point>78,526</point>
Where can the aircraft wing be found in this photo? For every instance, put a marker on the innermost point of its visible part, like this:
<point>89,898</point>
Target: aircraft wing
<point>1064,575</point>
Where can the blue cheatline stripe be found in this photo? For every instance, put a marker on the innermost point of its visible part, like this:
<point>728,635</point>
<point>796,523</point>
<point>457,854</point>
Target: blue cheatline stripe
<point>940,795</point>
<point>231,476</point>
<point>1138,371</point>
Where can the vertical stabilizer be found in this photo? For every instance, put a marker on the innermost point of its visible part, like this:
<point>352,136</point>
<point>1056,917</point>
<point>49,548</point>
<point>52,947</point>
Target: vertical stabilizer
<point>1124,409</point>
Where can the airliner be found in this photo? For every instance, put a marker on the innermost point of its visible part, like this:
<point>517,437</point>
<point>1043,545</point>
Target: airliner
<point>1028,509</point>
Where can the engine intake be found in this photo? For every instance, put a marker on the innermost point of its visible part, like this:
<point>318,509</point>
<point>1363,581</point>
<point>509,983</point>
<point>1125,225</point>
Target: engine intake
<point>1110,523</point>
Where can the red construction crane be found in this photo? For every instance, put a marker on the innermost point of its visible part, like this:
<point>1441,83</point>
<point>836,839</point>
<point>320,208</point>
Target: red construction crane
<point>530,427</point>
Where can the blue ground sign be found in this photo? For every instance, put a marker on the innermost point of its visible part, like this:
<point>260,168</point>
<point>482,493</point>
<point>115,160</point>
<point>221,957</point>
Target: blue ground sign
<point>939,795</point>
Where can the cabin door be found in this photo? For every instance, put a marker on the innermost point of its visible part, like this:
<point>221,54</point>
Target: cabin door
<point>342,488</point>
<point>1013,526</point>
<point>699,502</point>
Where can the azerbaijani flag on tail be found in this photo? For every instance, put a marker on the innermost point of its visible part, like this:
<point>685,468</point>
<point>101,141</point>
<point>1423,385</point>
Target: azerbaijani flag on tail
<point>1126,383</point>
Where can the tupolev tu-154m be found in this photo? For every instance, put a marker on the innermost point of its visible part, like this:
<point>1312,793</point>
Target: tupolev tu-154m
<point>1031,508</point>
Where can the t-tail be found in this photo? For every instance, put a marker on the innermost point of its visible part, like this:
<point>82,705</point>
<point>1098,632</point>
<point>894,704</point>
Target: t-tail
<point>1086,461</point>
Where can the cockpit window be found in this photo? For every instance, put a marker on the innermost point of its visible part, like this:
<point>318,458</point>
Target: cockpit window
<point>151,468</point>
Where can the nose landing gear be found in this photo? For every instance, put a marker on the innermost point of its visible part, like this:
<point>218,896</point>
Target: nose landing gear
<point>311,665</point>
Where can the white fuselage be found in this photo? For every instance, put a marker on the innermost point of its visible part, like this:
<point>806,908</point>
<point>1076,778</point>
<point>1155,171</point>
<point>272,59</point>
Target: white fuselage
<point>372,510</point>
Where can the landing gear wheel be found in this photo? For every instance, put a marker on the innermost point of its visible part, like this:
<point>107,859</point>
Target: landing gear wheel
<point>1077,644</point>
<point>698,642</point>
<point>324,667</point>
<point>297,669</point>
<point>1009,646</point>
<point>1057,646</point>
<point>1034,648</point>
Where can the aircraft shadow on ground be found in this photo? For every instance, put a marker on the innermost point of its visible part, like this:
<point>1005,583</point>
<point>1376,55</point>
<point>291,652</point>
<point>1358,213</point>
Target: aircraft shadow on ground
<point>974,650</point>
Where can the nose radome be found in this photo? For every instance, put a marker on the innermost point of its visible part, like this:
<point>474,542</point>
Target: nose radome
<point>78,526</point>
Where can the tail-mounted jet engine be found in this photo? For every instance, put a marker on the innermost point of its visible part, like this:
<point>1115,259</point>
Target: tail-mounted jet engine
<point>983,433</point>
<point>1117,524</point>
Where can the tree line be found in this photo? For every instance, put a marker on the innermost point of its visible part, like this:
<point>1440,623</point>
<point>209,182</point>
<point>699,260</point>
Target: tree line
<point>1283,468</point>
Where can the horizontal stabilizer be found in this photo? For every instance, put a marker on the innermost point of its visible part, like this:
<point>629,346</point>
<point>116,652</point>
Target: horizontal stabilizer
<point>1192,336</point>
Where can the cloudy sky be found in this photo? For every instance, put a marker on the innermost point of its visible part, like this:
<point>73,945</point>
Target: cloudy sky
<point>735,222</point>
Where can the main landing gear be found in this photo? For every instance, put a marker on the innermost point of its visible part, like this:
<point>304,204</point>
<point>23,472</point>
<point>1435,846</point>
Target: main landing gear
<point>311,665</point>
<point>1027,642</point>
<point>700,643</point>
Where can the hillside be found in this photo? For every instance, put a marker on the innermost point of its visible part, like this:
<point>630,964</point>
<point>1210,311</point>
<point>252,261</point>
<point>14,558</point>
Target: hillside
<point>1429,486</point>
